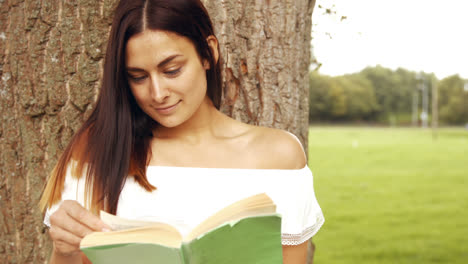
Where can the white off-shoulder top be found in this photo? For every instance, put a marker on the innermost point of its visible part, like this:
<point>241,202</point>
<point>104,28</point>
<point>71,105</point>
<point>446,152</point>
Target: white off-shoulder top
<point>187,195</point>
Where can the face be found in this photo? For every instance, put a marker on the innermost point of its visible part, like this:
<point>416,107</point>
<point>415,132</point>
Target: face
<point>166,76</point>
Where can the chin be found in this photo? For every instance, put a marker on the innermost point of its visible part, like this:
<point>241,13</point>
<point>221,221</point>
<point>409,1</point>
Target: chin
<point>169,123</point>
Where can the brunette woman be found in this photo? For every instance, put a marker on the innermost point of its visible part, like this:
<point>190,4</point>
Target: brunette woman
<point>157,145</point>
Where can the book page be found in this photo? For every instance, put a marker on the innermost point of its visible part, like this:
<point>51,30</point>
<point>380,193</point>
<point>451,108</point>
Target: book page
<point>133,231</point>
<point>116,223</point>
<point>256,205</point>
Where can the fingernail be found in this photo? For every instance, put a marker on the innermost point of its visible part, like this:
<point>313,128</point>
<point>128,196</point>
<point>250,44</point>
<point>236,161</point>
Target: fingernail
<point>105,230</point>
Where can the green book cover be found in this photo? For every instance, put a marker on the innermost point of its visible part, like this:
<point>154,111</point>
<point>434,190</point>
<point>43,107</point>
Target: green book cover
<point>248,239</point>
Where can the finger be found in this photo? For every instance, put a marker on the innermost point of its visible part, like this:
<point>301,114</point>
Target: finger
<point>79,213</point>
<point>65,249</point>
<point>62,219</point>
<point>71,225</point>
<point>59,234</point>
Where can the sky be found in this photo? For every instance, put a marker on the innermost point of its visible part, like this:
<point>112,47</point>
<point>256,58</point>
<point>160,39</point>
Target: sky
<point>419,35</point>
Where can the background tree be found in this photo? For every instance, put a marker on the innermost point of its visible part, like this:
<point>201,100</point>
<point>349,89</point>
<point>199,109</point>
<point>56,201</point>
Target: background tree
<point>50,65</point>
<point>386,88</point>
<point>453,101</point>
<point>342,98</point>
<point>361,103</point>
<point>407,82</point>
<point>384,96</point>
<point>319,97</point>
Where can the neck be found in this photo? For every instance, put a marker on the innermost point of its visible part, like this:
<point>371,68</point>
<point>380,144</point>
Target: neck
<point>197,128</point>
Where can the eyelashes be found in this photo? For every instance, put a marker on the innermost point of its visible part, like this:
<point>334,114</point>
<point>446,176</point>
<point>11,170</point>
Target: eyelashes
<point>173,72</point>
<point>138,79</point>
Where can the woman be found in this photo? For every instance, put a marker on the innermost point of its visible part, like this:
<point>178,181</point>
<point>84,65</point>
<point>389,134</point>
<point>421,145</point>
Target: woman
<point>156,127</point>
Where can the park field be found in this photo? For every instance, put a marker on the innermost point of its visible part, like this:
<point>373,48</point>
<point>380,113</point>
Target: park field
<point>390,195</point>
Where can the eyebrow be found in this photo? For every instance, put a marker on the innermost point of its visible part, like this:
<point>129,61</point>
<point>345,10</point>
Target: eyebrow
<point>161,64</point>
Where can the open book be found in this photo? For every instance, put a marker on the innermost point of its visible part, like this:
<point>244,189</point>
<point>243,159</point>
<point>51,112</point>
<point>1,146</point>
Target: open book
<point>247,231</point>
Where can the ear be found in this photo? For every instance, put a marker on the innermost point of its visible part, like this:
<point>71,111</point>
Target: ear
<point>213,43</point>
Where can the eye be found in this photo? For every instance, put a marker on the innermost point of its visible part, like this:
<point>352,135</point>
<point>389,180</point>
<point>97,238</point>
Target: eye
<point>173,73</point>
<point>135,78</point>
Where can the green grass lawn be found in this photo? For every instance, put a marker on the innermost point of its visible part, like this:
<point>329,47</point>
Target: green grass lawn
<point>390,195</point>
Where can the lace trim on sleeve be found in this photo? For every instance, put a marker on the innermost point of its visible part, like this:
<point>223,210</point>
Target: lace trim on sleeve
<point>296,239</point>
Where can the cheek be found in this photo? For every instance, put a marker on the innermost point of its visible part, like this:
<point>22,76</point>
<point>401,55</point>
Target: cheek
<point>196,83</point>
<point>140,97</point>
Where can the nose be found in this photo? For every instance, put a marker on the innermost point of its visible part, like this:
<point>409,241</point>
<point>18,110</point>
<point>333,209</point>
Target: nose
<point>159,91</point>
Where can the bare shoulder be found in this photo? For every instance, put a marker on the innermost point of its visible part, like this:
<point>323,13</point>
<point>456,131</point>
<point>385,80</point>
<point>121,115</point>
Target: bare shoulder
<point>263,147</point>
<point>278,149</point>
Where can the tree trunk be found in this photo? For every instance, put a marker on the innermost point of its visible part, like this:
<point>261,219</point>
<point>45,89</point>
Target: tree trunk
<point>51,53</point>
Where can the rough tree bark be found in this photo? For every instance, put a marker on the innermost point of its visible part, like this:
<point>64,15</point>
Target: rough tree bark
<point>50,63</point>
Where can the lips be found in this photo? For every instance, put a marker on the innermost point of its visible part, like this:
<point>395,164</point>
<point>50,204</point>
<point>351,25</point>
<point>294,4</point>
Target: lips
<point>168,109</point>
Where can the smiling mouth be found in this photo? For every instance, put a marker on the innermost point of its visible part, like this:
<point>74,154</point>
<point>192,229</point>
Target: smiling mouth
<point>168,109</point>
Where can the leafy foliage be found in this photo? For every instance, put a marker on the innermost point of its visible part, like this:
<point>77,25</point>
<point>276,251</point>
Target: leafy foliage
<point>378,94</point>
<point>453,100</point>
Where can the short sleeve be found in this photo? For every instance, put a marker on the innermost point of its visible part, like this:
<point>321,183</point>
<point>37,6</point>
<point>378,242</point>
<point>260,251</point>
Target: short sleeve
<point>73,189</point>
<point>302,216</point>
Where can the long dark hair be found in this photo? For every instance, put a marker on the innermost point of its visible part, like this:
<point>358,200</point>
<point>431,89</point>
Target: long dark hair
<point>115,140</point>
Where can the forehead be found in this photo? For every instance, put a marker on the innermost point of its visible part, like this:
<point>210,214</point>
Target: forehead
<point>157,45</point>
